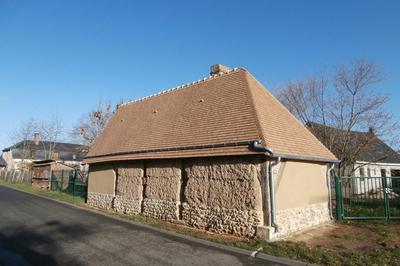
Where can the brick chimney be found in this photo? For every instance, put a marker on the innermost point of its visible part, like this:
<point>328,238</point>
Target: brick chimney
<point>219,69</point>
<point>372,130</point>
<point>36,138</point>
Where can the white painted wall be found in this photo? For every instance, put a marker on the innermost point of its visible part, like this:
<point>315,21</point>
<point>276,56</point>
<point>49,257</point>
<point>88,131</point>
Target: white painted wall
<point>372,170</point>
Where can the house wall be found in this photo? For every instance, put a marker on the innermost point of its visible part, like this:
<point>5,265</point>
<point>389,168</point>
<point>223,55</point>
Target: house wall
<point>101,186</point>
<point>301,196</point>
<point>224,195</point>
<point>375,168</point>
<point>217,194</point>
<point>364,185</point>
<point>129,189</point>
<point>220,194</point>
<point>162,190</point>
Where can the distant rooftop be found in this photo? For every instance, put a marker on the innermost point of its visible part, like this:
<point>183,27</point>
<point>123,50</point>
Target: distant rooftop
<point>37,150</point>
<point>375,150</point>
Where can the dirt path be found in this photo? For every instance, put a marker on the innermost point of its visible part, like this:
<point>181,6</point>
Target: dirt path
<point>360,236</point>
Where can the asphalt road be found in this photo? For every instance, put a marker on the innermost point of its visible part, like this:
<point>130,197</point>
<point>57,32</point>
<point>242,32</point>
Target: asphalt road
<point>38,231</point>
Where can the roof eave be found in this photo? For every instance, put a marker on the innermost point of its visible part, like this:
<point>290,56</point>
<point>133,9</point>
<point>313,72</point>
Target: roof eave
<point>306,158</point>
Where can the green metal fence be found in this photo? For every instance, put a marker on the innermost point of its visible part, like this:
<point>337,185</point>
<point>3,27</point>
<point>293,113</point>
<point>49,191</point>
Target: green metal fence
<point>71,182</point>
<point>361,198</point>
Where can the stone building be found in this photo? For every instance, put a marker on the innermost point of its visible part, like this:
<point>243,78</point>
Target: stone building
<point>220,154</point>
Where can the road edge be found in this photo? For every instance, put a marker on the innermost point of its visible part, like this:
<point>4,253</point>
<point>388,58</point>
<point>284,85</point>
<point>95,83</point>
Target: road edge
<point>241,251</point>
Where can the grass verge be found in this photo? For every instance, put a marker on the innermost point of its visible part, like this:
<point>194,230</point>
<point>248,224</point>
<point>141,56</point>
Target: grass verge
<point>287,249</point>
<point>50,194</point>
<point>297,250</point>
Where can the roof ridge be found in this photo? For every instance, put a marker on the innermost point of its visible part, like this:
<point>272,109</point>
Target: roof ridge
<point>339,129</point>
<point>263,136</point>
<point>254,109</point>
<point>208,78</point>
<point>45,142</point>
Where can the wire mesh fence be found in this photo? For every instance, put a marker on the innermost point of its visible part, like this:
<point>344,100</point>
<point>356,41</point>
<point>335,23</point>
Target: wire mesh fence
<point>72,182</point>
<point>360,198</point>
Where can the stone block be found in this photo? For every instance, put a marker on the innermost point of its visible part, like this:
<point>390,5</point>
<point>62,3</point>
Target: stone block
<point>127,205</point>
<point>100,200</point>
<point>161,209</point>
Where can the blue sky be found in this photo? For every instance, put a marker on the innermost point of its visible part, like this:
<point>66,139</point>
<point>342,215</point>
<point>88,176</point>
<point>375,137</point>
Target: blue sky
<point>65,56</point>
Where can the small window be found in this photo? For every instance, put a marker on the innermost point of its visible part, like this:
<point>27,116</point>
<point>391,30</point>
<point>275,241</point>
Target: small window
<point>362,172</point>
<point>369,172</point>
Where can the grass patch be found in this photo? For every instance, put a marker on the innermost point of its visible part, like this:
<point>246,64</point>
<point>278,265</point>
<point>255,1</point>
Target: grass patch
<point>50,194</point>
<point>338,252</point>
<point>287,249</point>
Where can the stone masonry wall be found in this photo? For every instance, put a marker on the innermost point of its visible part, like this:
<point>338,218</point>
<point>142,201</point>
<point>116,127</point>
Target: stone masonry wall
<point>220,194</point>
<point>161,209</point>
<point>128,194</point>
<point>296,219</point>
<point>100,200</point>
<point>163,189</point>
<point>224,195</point>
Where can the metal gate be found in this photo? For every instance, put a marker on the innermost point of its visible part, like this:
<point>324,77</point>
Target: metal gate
<point>359,198</point>
<point>72,182</point>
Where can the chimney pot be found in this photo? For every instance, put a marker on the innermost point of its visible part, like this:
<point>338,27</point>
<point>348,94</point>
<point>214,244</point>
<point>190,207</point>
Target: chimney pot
<point>372,130</point>
<point>219,69</point>
<point>36,138</point>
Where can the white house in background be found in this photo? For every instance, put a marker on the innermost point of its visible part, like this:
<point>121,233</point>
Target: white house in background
<point>22,154</point>
<point>371,176</point>
<point>375,159</point>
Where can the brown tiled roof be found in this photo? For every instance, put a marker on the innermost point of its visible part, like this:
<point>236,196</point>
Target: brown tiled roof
<point>220,115</point>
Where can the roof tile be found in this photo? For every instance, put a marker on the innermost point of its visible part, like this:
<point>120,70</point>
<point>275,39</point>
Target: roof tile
<point>227,108</point>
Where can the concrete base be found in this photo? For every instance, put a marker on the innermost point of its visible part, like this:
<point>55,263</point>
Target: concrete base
<point>266,233</point>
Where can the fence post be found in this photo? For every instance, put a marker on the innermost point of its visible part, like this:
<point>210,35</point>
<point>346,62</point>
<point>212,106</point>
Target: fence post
<point>339,199</point>
<point>385,196</point>
<point>62,180</point>
<point>51,180</point>
<point>73,182</point>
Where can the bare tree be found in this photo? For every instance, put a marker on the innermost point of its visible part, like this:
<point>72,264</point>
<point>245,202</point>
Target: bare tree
<point>350,102</point>
<point>92,124</point>
<point>49,132</point>
<point>24,134</point>
<point>306,99</point>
